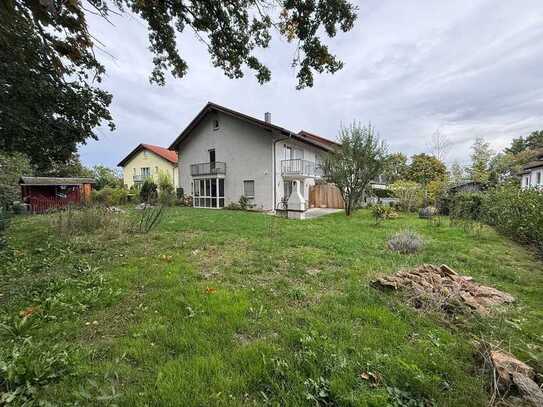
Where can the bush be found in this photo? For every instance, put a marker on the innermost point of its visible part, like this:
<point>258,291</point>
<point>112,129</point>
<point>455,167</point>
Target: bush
<point>428,213</point>
<point>382,212</point>
<point>110,196</point>
<point>515,212</point>
<point>466,206</point>
<point>243,203</point>
<point>185,200</point>
<point>148,191</point>
<point>409,194</point>
<point>406,242</point>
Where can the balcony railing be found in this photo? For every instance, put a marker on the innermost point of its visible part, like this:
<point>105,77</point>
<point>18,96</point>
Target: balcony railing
<point>214,168</point>
<point>299,167</point>
<point>139,178</point>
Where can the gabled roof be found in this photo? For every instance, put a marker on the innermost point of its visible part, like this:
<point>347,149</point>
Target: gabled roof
<point>168,155</point>
<point>55,181</point>
<point>213,107</point>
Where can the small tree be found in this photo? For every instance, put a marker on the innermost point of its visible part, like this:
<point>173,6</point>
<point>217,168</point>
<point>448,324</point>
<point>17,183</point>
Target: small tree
<point>409,194</point>
<point>166,189</point>
<point>359,159</point>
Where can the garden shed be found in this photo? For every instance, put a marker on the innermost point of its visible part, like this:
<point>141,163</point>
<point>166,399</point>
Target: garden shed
<point>45,193</point>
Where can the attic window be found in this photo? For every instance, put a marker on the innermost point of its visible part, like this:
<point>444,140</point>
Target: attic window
<point>216,124</point>
<point>145,153</point>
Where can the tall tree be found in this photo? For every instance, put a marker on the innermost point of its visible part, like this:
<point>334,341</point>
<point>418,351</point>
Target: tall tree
<point>425,168</point>
<point>395,168</point>
<point>48,105</point>
<point>533,141</point>
<point>457,173</point>
<point>481,155</point>
<point>49,73</point>
<point>439,145</point>
<point>359,159</point>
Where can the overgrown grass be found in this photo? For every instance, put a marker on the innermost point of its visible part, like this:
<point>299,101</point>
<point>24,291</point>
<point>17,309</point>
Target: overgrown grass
<point>236,308</point>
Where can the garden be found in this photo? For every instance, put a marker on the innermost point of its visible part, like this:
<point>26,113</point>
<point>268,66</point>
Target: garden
<point>239,308</point>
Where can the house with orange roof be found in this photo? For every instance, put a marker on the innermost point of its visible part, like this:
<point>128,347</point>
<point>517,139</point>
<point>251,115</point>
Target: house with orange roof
<point>148,161</point>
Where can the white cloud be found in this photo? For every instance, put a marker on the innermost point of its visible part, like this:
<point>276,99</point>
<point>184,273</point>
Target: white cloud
<point>469,68</point>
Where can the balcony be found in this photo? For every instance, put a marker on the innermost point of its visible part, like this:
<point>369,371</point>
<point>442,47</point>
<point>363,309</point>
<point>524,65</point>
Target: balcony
<point>214,168</point>
<point>300,168</point>
<point>139,178</point>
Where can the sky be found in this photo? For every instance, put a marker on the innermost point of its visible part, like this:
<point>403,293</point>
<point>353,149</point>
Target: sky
<point>413,68</point>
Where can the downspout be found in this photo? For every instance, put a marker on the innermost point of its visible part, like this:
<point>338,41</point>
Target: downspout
<point>275,169</point>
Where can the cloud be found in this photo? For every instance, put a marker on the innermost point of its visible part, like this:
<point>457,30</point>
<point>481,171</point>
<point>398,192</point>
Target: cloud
<point>467,68</point>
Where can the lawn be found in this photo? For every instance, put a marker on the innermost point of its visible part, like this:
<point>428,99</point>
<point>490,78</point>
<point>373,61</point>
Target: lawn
<point>234,308</point>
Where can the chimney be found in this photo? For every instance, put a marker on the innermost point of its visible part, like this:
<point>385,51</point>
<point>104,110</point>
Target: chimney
<point>267,117</point>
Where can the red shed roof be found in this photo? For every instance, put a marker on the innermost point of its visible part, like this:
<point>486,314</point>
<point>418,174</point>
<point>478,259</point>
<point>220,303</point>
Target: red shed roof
<point>168,155</point>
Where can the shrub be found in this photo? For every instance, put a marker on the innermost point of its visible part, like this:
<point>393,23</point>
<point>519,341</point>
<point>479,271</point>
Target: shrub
<point>466,205</point>
<point>109,196</point>
<point>233,206</point>
<point>515,212</point>
<point>243,203</point>
<point>382,212</point>
<point>148,191</point>
<point>406,242</point>
<point>409,194</point>
<point>428,213</point>
<point>185,200</point>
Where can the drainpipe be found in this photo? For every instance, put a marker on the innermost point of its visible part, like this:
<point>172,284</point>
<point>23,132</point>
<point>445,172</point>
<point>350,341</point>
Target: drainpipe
<point>275,169</point>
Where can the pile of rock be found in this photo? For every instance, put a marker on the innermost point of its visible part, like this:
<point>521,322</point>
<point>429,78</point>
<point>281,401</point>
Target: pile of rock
<point>441,287</point>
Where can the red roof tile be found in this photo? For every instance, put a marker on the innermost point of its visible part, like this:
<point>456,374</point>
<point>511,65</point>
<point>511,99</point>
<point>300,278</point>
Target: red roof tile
<point>168,155</point>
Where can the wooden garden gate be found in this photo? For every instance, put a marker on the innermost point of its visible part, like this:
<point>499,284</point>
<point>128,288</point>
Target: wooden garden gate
<point>325,196</point>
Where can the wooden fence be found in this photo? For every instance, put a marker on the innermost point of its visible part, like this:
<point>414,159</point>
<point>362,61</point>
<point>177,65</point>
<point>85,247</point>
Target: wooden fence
<point>325,196</point>
<point>42,204</point>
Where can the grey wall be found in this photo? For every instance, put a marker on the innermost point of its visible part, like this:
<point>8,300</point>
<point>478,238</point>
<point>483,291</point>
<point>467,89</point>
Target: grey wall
<point>246,149</point>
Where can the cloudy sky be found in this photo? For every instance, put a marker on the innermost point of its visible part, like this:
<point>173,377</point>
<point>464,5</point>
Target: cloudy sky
<point>413,68</point>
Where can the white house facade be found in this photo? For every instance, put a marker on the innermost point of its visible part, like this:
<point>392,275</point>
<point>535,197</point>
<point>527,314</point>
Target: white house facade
<point>224,154</point>
<point>532,174</point>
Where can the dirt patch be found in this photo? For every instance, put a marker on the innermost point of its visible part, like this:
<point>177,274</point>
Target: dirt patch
<point>440,287</point>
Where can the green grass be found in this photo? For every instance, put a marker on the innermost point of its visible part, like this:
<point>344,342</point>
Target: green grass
<point>253,310</point>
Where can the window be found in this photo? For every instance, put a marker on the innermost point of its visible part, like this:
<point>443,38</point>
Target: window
<point>249,189</point>
<point>145,153</point>
<point>216,124</point>
<point>208,193</point>
<point>539,178</point>
<point>145,172</point>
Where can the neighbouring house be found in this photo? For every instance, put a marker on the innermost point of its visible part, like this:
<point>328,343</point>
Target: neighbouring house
<point>44,193</point>
<point>532,173</point>
<point>224,154</point>
<point>148,161</point>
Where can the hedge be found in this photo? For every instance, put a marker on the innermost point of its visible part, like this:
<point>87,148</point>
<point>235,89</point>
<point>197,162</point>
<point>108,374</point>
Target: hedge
<point>514,212</point>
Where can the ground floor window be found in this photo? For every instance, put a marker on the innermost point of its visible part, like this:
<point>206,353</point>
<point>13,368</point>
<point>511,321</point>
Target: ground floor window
<point>208,193</point>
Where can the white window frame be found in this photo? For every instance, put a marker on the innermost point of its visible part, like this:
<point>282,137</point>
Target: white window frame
<point>202,196</point>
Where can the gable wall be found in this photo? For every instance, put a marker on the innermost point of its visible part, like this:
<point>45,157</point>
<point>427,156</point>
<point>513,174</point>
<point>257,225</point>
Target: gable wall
<point>245,148</point>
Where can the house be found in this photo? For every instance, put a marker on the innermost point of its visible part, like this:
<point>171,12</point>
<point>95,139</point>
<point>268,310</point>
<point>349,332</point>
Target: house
<point>44,193</point>
<point>148,161</point>
<point>532,173</point>
<point>224,154</point>
<point>466,186</point>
